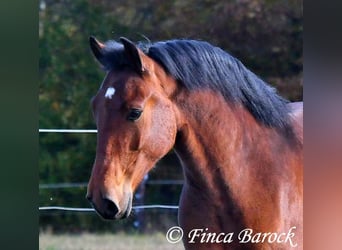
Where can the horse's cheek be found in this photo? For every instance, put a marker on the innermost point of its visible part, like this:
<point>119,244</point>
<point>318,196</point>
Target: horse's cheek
<point>163,131</point>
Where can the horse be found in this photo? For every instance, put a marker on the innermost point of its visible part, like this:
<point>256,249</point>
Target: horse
<point>240,144</point>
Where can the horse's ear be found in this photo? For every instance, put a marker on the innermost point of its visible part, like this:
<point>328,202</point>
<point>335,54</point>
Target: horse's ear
<point>96,47</point>
<point>133,54</point>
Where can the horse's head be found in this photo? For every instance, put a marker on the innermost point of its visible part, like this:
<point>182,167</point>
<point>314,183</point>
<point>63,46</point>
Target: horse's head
<point>136,125</point>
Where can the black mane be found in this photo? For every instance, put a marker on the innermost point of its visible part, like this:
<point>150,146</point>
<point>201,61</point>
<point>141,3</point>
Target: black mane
<point>198,64</point>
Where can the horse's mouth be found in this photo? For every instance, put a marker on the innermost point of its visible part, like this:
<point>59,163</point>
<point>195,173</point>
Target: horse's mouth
<point>126,212</point>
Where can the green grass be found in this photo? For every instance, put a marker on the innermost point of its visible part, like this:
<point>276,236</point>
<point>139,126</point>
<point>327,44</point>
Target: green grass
<point>121,241</point>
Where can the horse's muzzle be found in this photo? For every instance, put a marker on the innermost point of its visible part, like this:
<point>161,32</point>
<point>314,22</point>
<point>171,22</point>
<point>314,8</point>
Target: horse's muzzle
<point>109,210</point>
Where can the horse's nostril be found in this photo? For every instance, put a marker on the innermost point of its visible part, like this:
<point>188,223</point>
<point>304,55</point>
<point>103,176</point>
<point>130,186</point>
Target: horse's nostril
<point>110,207</point>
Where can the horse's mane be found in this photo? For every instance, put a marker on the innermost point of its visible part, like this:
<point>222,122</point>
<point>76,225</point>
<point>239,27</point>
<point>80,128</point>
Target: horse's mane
<point>198,64</point>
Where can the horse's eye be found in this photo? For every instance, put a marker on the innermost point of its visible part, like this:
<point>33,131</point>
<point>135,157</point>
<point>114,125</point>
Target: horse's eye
<point>134,114</point>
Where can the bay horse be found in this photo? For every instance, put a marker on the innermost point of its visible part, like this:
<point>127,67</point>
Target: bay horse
<point>239,142</point>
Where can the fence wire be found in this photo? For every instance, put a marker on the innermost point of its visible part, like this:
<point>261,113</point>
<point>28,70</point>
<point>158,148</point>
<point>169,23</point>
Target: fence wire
<point>67,130</point>
<point>78,209</point>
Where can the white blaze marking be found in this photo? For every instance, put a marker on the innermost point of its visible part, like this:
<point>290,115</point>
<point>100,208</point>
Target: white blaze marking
<point>110,92</point>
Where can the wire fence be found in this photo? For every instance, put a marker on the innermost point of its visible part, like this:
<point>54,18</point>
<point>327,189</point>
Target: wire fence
<point>77,209</point>
<point>68,131</point>
<point>84,184</point>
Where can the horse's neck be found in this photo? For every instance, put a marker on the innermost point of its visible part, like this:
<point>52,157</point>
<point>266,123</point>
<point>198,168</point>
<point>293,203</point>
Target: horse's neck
<point>216,137</point>
<point>226,154</point>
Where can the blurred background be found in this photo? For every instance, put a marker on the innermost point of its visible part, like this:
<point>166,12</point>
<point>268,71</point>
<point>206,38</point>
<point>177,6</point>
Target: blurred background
<point>266,35</point>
